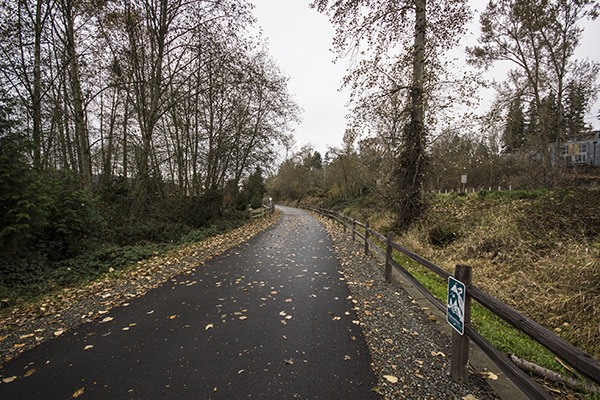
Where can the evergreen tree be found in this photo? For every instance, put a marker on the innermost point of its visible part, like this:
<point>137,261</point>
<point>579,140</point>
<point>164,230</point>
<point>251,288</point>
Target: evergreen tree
<point>514,133</point>
<point>254,189</point>
<point>22,209</point>
<point>576,101</point>
<point>549,119</point>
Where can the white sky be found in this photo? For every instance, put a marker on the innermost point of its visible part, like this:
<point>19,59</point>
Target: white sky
<point>299,41</point>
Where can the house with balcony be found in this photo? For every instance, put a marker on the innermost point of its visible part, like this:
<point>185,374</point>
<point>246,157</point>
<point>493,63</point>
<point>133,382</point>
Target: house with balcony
<point>583,151</point>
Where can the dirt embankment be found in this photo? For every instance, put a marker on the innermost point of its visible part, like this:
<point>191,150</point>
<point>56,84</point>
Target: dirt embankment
<point>538,251</point>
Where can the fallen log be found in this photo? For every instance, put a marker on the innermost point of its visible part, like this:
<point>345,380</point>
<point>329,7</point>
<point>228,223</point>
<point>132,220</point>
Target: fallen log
<point>554,376</point>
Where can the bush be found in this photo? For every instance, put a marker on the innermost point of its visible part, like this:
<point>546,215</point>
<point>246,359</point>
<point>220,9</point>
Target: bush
<point>256,202</point>
<point>74,223</point>
<point>149,231</point>
<point>24,207</point>
<point>442,235</point>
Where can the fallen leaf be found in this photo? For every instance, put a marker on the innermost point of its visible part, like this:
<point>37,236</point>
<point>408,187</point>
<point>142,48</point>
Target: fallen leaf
<point>59,332</point>
<point>469,397</point>
<point>2,338</point>
<point>391,378</point>
<point>78,393</point>
<point>438,353</point>
<point>377,390</point>
<point>29,373</point>
<point>26,336</point>
<point>89,346</point>
<point>106,319</point>
<point>243,317</point>
<point>209,326</point>
<point>18,345</point>
<point>347,357</point>
<point>289,362</point>
<point>150,312</point>
<point>173,316</point>
<point>489,375</point>
<point>337,318</point>
<point>9,379</point>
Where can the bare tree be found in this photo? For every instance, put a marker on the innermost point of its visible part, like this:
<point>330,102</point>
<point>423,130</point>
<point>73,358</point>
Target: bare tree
<point>399,39</point>
<point>22,44</point>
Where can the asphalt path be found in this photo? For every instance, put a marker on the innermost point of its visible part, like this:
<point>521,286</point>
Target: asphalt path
<point>270,319</point>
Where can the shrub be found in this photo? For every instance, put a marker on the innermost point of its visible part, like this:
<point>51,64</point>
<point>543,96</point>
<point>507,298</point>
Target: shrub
<point>443,235</point>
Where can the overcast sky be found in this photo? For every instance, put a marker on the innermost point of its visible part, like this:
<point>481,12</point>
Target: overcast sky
<point>299,41</point>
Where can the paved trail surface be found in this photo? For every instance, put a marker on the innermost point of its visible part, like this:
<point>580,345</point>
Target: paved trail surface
<point>270,319</point>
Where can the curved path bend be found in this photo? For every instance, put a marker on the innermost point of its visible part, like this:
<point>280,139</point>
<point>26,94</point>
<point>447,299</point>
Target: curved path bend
<point>270,319</point>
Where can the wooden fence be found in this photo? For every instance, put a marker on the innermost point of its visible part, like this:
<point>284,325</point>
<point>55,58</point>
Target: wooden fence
<point>581,361</point>
<point>261,212</point>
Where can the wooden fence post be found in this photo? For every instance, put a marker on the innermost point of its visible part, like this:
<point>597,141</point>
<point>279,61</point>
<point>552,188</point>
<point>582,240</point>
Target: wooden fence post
<point>353,229</point>
<point>460,343</point>
<point>367,238</point>
<point>388,258</point>
<point>343,219</point>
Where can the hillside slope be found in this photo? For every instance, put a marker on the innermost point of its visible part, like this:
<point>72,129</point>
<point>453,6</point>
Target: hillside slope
<point>538,251</point>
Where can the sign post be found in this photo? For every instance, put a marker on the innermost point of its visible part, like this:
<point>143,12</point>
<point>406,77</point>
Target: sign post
<point>458,315</point>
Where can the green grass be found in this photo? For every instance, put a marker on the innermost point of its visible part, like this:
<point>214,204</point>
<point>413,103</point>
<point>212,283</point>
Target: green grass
<point>499,333</point>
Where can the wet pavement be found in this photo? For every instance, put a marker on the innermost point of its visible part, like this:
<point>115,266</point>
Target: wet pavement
<point>270,319</point>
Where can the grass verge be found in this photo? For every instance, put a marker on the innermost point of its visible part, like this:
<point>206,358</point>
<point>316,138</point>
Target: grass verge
<point>499,333</point>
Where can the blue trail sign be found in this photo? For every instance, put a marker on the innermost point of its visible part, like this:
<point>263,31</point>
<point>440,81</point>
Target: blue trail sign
<point>456,305</point>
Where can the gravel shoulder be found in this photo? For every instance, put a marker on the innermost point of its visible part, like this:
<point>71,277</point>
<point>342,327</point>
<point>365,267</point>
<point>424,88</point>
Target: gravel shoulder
<point>405,339</point>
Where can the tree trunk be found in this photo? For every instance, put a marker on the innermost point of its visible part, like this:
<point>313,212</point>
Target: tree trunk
<point>125,121</point>
<point>81,131</point>
<point>148,92</point>
<point>107,168</point>
<point>412,163</point>
<point>37,88</point>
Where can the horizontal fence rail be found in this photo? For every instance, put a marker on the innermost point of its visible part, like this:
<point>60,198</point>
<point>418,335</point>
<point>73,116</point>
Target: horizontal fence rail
<point>581,361</point>
<point>263,211</point>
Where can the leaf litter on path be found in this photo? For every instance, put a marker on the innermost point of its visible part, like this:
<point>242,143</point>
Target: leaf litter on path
<point>76,305</point>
